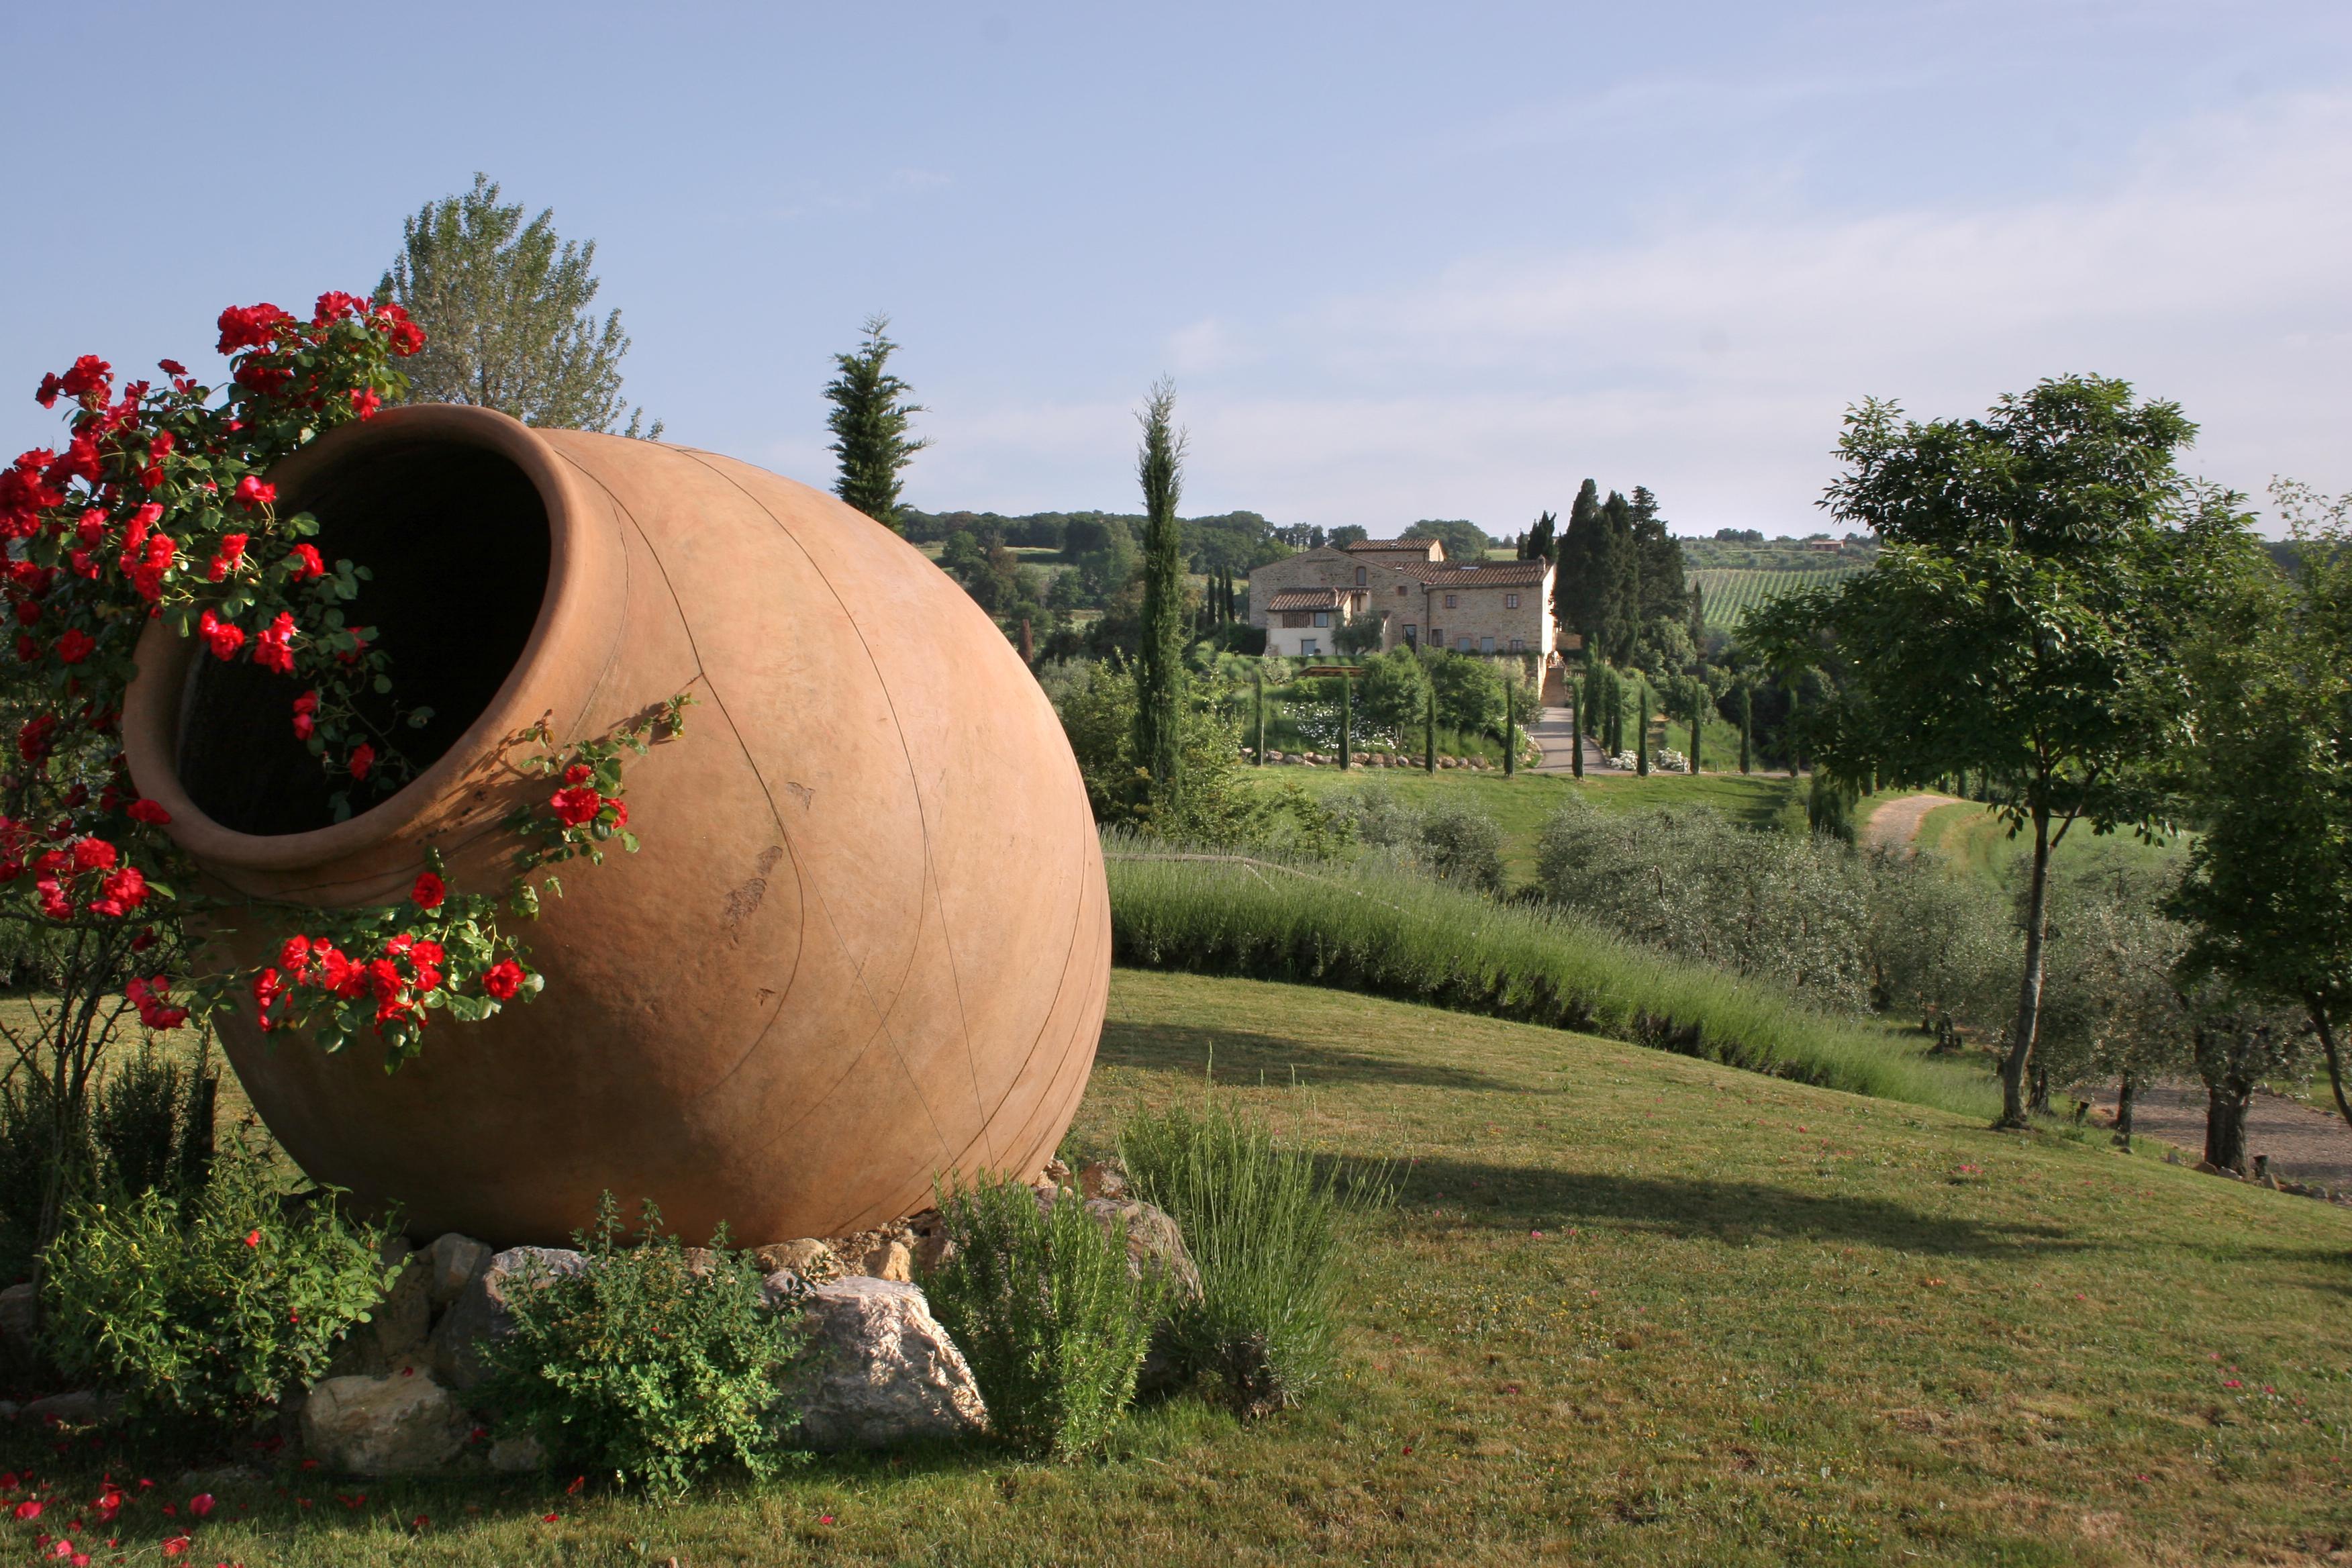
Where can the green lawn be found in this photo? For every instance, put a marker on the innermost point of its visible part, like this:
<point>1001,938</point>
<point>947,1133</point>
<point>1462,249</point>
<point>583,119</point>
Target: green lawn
<point>1761,1324</point>
<point>1523,803</point>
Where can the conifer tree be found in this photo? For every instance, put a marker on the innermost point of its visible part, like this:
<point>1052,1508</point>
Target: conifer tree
<point>1160,662</point>
<point>871,414</point>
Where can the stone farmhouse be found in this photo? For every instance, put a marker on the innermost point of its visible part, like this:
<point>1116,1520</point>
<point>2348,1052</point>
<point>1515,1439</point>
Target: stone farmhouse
<point>1422,600</point>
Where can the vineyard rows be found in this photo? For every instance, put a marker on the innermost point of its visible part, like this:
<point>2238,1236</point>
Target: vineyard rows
<point>1731,593</point>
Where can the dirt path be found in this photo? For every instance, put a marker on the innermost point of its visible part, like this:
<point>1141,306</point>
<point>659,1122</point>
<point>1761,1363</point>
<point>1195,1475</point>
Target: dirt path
<point>2304,1143</point>
<point>1895,823</point>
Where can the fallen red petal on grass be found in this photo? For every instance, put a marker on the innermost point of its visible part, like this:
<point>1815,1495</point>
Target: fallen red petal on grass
<point>201,1504</point>
<point>577,1482</point>
<point>547,1519</point>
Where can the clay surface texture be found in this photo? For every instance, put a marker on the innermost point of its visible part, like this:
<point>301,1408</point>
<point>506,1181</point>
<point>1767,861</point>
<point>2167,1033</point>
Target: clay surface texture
<point>866,943</point>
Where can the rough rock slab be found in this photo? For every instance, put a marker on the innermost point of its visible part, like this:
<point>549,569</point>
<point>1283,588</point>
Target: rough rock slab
<point>454,1260</point>
<point>393,1426</point>
<point>880,1371</point>
<point>481,1314</point>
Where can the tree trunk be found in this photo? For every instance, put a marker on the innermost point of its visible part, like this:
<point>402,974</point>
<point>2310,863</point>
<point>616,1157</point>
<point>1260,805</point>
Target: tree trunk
<point>2322,1022</point>
<point>2029,990</point>
<point>2225,1124</point>
<point>2040,1098</point>
<point>1575,731</point>
<point>1429,735</point>
<point>1510,730</point>
<point>2124,1093</point>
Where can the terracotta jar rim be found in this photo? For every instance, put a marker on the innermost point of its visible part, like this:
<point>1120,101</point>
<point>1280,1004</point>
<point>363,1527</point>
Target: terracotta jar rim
<point>151,720</point>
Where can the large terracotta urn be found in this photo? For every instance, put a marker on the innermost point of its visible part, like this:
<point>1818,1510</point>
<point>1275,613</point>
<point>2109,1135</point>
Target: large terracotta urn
<point>866,943</point>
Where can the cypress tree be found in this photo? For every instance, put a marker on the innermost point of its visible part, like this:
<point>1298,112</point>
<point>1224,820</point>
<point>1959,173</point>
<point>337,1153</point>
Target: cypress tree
<point>1510,730</point>
<point>1160,662</point>
<point>1641,724</point>
<point>1257,692</point>
<point>1698,697</point>
<point>1575,731</point>
<point>1746,723</point>
<point>869,420</point>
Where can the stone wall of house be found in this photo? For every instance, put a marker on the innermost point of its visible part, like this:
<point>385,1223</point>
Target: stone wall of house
<point>1484,612</point>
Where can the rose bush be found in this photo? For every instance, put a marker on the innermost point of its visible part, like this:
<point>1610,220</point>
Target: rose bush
<point>157,506</point>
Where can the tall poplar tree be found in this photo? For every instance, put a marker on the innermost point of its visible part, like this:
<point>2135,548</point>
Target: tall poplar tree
<point>1160,662</point>
<point>871,415</point>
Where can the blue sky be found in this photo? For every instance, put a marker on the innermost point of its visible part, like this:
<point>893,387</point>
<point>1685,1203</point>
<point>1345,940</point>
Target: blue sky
<point>1401,261</point>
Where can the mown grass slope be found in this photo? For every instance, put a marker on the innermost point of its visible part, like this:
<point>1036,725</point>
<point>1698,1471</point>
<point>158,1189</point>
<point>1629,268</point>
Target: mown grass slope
<point>1975,842</point>
<point>1762,1324</point>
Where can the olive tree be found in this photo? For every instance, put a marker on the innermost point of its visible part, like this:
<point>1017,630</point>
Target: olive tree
<point>2270,878</point>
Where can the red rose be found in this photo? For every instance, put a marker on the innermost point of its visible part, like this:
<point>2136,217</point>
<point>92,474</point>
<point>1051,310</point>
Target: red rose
<point>231,556</point>
<point>306,563</point>
<point>249,326</point>
<point>147,811</point>
<point>251,492</point>
<point>576,806</point>
<point>503,979</point>
<point>74,646</point>
<point>93,855</point>
<point>222,637</point>
<point>334,305</point>
<point>305,708</point>
<point>170,367</point>
<point>364,403</point>
<point>428,892</point>
<point>273,649</point>
<point>578,773</point>
<point>35,739</point>
<point>295,954</point>
<point>121,893</point>
<point>362,760</point>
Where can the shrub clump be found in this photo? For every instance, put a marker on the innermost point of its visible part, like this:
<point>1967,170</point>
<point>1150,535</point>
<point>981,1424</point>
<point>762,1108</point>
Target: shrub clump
<point>651,1364</point>
<point>1452,843</point>
<point>1040,1299</point>
<point>1688,882</point>
<point>203,1309</point>
<point>1262,1222</point>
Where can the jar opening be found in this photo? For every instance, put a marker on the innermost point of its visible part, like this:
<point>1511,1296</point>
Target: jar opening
<point>454,538</point>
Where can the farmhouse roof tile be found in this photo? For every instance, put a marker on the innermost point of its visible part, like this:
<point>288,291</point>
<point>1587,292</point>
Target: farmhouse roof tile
<point>1304,599</point>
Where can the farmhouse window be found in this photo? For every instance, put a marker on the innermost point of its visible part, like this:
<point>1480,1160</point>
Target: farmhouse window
<point>1510,600</point>
<point>1449,601</point>
<point>1437,636</point>
<point>1309,646</point>
<point>1516,646</point>
<point>1486,644</point>
<point>1461,644</point>
<point>1322,618</point>
<point>1400,590</point>
<point>1293,618</point>
<point>1360,577</point>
